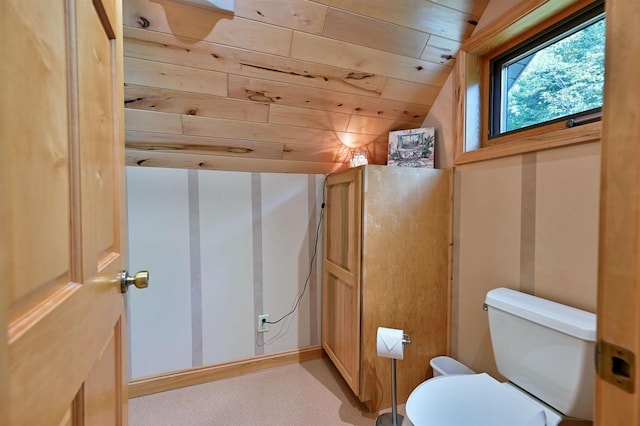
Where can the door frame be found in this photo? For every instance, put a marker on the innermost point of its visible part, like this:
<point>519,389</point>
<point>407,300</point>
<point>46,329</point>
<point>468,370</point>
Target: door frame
<point>619,245</point>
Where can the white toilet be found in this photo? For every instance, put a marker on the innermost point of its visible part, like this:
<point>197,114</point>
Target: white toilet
<point>544,349</point>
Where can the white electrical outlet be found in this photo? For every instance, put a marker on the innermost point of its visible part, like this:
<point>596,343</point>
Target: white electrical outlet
<point>263,324</point>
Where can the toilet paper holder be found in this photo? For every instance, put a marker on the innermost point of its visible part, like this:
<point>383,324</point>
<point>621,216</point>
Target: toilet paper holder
<point>393,418</point>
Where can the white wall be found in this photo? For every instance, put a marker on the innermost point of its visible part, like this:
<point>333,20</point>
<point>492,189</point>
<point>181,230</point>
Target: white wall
<point>221,248</point>
<point>226,256</point>
<point>158,221</point>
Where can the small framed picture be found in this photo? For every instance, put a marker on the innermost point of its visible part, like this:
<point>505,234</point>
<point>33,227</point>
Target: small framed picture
<point>412,148</point>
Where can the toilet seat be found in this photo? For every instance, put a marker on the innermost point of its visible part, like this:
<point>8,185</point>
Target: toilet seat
<point>472,399</point>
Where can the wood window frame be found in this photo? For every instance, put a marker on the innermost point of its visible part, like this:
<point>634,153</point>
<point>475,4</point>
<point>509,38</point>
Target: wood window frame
<point>471,86</point>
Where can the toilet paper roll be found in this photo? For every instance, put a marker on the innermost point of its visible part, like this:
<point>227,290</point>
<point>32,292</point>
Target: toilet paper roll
<point>389,341</point>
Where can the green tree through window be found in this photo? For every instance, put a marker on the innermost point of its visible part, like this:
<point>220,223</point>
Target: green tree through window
<point>562,79</point>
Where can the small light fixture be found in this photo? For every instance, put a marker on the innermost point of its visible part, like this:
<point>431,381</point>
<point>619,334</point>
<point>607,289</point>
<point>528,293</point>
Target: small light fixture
<point>220,5</point>
<point>358,158</point>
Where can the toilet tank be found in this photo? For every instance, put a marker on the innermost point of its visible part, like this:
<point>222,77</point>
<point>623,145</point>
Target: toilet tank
<point>545,348</point>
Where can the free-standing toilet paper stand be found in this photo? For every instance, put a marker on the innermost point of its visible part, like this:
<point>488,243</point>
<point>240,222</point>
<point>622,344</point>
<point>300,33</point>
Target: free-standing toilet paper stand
<point>393,418</point>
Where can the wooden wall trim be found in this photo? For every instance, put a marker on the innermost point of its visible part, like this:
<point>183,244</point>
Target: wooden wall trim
<point>515,22</point>
<point>591,132</point>
<point>619,241</point>
<point>194,376</point>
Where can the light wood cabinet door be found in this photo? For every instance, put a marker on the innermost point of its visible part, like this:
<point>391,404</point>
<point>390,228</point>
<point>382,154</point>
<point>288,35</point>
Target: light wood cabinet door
<point>341,276</point>
<point>61,215</point>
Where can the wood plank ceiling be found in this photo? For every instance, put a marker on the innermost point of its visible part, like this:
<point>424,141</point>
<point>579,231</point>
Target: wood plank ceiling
<point>283,85</point>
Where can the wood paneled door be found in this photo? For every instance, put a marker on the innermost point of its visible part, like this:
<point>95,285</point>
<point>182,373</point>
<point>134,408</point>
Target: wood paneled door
<point>341,275</point>
<point>62,213</point>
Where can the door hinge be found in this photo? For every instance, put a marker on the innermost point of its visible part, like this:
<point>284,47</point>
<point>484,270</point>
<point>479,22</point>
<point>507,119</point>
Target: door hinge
<point>616,365</point>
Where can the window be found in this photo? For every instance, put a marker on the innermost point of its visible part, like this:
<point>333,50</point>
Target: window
<point>555,76</point>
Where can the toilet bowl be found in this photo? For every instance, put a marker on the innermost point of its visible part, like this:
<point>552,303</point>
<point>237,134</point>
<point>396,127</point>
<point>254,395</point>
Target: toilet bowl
<point>478,400</point>
<point>544,349</point>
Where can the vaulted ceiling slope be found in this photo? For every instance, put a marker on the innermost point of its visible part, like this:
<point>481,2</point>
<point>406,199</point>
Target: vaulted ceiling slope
<point>283,85</point>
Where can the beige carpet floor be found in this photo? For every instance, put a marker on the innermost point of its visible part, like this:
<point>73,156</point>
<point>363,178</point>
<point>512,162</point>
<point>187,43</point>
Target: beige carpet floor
<point>311,393</point>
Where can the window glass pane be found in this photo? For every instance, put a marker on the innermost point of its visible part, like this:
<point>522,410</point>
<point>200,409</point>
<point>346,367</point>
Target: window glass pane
<point>562,79</point>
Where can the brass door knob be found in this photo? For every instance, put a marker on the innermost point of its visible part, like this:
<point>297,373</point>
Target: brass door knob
<point>140,280</point>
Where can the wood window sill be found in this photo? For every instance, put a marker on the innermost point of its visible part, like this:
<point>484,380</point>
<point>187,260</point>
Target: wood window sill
<point>586,133</point>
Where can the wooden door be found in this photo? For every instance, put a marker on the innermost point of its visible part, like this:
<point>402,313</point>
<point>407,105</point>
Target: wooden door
<point>619,256</point>
<point>341,275</point>
<point>61,213</point>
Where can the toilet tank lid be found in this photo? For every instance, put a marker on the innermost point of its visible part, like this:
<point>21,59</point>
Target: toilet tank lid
<point>565,319</point>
